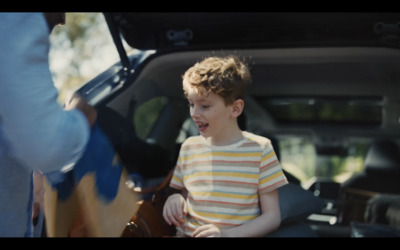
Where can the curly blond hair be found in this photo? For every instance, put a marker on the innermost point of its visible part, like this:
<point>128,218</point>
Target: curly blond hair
<point>227,77</point>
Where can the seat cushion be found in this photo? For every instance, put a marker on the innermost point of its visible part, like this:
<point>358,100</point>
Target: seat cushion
<point>361,230</point>
<point>393,214</point>
<point>294,230</point>
<point>377,209</point>
<point>297,204</point>
<point>383,158</point>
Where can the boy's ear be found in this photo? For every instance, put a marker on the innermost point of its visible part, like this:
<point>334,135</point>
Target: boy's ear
<point>237,108</point>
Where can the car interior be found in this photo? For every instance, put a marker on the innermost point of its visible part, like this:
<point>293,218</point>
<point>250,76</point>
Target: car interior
<point>155,112</point>
<point>331,112</point>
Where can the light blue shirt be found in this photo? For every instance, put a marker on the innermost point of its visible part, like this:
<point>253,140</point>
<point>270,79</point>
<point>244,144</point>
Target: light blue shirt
<point>35,132</point>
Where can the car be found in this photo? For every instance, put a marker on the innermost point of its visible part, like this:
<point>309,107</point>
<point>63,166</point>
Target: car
<point>325,90</point>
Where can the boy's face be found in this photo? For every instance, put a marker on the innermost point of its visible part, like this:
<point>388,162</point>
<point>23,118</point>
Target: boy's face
<point>209,112</point>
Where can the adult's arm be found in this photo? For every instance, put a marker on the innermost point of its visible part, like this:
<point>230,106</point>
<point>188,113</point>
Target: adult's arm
<point>42,135</point>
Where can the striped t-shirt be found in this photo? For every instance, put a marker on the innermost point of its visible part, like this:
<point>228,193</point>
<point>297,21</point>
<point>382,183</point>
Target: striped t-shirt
<point>223,182</point>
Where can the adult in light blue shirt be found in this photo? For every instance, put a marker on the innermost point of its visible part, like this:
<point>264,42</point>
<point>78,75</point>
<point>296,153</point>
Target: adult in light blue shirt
<point>35,131</point>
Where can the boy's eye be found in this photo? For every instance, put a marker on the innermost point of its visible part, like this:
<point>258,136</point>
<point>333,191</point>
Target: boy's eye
<point>191,105</point>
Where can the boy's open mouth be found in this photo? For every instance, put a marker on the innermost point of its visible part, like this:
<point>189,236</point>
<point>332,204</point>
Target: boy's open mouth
<point>202,126</point>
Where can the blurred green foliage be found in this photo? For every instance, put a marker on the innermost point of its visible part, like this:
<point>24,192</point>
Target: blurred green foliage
<point>80,50</point>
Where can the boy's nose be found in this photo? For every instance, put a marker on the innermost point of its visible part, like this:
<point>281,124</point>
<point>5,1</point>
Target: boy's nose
<point>194,112</point>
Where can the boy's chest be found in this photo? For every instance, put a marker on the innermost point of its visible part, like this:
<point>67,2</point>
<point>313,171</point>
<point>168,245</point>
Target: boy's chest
<point>213,174</point>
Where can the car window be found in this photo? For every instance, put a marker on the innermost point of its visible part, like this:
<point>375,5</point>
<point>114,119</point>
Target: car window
<point>350,110</point>
<point>298,156</point>
<point>147,114</point>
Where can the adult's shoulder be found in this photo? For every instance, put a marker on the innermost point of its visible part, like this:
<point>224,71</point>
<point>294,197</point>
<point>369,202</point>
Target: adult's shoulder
<point>24,35</point>
<point>15,21</point>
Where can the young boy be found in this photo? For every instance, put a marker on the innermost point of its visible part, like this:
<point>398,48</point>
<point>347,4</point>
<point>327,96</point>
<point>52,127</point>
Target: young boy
<point>228,177</point>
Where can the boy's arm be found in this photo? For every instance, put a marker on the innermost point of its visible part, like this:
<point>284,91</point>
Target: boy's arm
<point>267,222</point>
<point>175,208</point>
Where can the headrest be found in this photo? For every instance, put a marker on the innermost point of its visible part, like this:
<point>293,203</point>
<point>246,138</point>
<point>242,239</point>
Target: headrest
<point>383,157</point>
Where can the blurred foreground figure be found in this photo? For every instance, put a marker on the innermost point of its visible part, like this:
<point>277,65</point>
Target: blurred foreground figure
<point>36,133</point>
<point>92,199</point>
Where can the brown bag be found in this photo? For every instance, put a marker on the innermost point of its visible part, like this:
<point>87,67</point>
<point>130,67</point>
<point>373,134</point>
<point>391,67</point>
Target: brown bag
<point>83,215</point>
<point>148,221</point>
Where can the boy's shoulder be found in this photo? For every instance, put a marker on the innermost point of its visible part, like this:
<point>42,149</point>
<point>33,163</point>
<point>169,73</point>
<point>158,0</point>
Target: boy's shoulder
<point>262,140</point>
<point>251,137</point>
<point>194,139</point>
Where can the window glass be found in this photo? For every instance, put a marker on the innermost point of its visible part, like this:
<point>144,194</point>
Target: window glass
<point>147,114</point>
<point>349,110</point>
<point>299,157</point>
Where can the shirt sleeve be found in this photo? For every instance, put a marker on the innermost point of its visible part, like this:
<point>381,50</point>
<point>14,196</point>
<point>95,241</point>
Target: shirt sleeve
<point>42,135</point>
<point>177,178</point>
<point>271,173</point>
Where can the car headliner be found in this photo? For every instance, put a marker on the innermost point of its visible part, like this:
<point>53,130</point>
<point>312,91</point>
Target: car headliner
<point>180,30</point>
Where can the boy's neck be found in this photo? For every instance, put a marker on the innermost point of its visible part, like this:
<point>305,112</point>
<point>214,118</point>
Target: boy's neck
<point>227,138</point>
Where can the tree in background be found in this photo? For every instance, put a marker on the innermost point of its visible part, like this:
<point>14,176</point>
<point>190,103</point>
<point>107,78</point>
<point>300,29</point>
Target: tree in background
<point>80,50</point>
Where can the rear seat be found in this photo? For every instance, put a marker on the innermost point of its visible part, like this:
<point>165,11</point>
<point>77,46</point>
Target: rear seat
<point>370,200</point>
<point>381,169</point>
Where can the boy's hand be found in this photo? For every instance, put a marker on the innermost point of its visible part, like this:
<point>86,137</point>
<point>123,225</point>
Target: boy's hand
<point>208,230</point>
<point>174,209</point>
